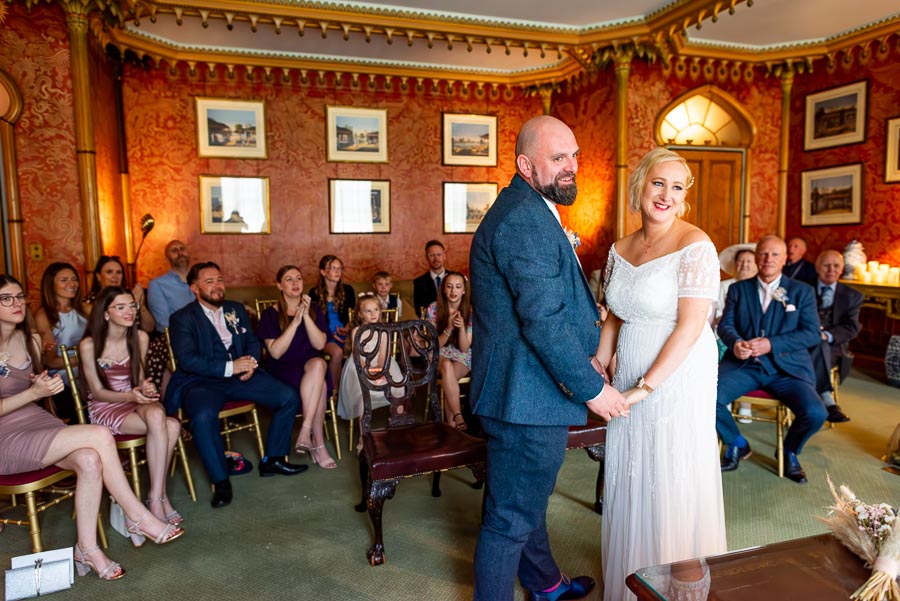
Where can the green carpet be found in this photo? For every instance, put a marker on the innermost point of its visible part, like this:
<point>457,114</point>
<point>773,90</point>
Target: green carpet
<point>299,538</point>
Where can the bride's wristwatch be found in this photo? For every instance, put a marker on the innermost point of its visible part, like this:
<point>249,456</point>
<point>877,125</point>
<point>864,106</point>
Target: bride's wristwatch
<point>642,384</point>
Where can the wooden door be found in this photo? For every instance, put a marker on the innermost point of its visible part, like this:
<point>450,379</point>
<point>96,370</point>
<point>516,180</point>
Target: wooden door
<point>716,196</point>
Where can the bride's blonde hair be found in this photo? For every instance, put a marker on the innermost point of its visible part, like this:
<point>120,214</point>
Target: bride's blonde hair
<point>638,177</point>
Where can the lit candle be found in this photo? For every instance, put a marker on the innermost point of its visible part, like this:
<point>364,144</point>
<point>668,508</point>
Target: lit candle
<point>872,266</point>
<point>866,277</point>
<point>894,276</point>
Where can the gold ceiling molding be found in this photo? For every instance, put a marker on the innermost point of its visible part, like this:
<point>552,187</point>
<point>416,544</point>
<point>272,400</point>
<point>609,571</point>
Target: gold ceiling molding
<point>580,50</point>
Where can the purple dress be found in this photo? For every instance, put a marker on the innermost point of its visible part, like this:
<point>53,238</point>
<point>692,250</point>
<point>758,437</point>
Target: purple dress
<point>289,367</point>
<point>112,415</point>
<point>27,432</point>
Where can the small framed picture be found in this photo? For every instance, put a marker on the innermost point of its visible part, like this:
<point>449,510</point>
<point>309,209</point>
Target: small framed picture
<point>234,129</point>
<point>832,196</point>
<point>356,135</point>
<point>470,140</point>
<point>234,205</point>
<point>465,205</point>
<point>892,151</point>
<point>835,117</point>
<point>360,206</point>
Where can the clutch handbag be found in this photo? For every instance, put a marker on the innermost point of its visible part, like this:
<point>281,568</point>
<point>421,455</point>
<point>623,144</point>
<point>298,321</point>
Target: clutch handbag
<point>42,578</point>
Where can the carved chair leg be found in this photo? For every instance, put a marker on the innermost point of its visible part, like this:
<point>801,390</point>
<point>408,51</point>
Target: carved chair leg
<point>598,454</point>
<point>379,492</point>
<point>436,484</point>
<point>480,475</point>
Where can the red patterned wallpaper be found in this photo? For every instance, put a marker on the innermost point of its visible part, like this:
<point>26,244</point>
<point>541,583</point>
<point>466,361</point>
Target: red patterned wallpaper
<point>34,50</point>
<point>879,231</point>
<point>164,166</point>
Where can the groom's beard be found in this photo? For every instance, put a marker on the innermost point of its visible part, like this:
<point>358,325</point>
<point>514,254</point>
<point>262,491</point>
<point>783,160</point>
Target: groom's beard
<point>561,195</point>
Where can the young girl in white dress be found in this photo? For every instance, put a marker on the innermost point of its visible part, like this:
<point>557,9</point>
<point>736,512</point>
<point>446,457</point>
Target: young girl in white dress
<point>350,401</point>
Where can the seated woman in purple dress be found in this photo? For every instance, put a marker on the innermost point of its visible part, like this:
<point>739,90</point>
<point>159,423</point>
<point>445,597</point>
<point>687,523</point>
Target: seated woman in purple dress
<point>32,439</point>
<point>121,397</point>
<point>294,335</point>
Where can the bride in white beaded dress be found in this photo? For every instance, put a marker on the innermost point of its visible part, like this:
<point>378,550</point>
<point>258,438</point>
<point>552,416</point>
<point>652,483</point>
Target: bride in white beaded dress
<point>663,493</point>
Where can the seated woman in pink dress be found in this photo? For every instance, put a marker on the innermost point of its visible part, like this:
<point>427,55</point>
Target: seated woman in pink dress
<point>451,316</point>
<point>113,356</point>
<point>32,439</point>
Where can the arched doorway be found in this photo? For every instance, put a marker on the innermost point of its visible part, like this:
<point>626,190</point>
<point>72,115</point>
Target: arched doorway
<point>12,258</point>
<point>713,132</point>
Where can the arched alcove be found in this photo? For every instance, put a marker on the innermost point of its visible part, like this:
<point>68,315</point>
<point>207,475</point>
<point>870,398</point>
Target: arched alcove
<point>12,255</point>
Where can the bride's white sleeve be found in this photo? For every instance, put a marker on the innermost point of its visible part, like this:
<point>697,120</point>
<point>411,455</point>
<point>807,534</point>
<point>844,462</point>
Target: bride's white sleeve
<point>698,272</point>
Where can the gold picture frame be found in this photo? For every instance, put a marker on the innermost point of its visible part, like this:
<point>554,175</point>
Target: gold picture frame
<point>234,129</point>
<point>465,205</point>
<point>469,140</point>
<point>835,117</point>
<point>234,205</point>
<point>355,135</point>
<point>832,196</point>
<point>359,206</point>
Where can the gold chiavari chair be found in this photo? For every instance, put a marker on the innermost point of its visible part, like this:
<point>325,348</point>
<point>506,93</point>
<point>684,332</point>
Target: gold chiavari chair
<point>264,303</point>
<point>129,443</point>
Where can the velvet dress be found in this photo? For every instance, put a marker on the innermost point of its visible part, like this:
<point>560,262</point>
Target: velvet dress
<point>27,432</point>
<point>112,415</point>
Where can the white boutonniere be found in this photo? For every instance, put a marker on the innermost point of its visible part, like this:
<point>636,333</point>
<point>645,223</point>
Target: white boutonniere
<point>574,240</point>
<point>104,363</point>
<point>4,368</point>
<point>235,322</point>
<point>780,295</point>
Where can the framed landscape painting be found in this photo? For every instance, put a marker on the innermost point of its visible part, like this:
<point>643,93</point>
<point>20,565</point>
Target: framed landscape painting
<point>356,135</point>
<point>892,151</point>
<point>832,196</point>
<point>465,205</point>
<point>234,129</point>
<point>359,206</point>
<point>234,205</point>
<point>835,117</point>
<point>470,140</point>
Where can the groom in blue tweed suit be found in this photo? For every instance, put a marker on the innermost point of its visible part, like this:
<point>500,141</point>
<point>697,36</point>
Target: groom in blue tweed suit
<point>535,334</point>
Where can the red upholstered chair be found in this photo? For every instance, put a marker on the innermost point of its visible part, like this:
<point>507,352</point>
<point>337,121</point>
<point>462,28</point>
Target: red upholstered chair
<point>761,398</point>
<point>27,484</point>
<point>406,447</point>
<point>592,438</point>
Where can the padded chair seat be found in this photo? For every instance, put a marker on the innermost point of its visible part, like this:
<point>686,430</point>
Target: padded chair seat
<point>29,477</point>
<point>420,449</point>
<point>591,433</point>
<point>759,394</point>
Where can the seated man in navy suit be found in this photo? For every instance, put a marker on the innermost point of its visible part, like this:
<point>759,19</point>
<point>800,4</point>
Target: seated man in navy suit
<point>769,325</point>
<point>838,307</point>
<point>218,356</point>
<point>797,267</point>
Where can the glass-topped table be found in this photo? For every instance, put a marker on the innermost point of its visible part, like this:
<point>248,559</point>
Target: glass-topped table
<point>818,568</point>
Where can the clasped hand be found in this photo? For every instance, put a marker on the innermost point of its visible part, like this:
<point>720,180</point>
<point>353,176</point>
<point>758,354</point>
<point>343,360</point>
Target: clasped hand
<point>757,347</point>
<point>44,385</point>
<point>245,367</point>
<point>302,308</point>
<point>145,393</point>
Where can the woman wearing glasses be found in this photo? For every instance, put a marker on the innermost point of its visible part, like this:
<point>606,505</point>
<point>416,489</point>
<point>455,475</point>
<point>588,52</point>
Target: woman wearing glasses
<point>32,439</point>
<point>111,272</point>
<point>121,397</point>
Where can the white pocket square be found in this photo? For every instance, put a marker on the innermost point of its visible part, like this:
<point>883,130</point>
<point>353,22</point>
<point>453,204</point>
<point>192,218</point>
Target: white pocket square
<point>790,308</point>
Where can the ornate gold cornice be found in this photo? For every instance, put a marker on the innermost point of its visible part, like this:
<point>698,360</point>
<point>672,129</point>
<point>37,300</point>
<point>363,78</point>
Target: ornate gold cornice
<point>577,51</point>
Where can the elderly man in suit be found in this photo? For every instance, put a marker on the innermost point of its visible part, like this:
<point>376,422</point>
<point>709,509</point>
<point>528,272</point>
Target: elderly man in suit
<point>797,267</point>
<point>218,359</point>
<point>769,325</point>
<point>535,333</point>
<point>838,307</point>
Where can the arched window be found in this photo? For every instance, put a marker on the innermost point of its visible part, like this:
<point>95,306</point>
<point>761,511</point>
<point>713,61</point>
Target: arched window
<point>705,116</point>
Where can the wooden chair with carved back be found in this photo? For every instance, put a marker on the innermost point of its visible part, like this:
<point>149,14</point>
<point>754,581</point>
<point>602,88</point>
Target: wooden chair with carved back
<point>405,447</point>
